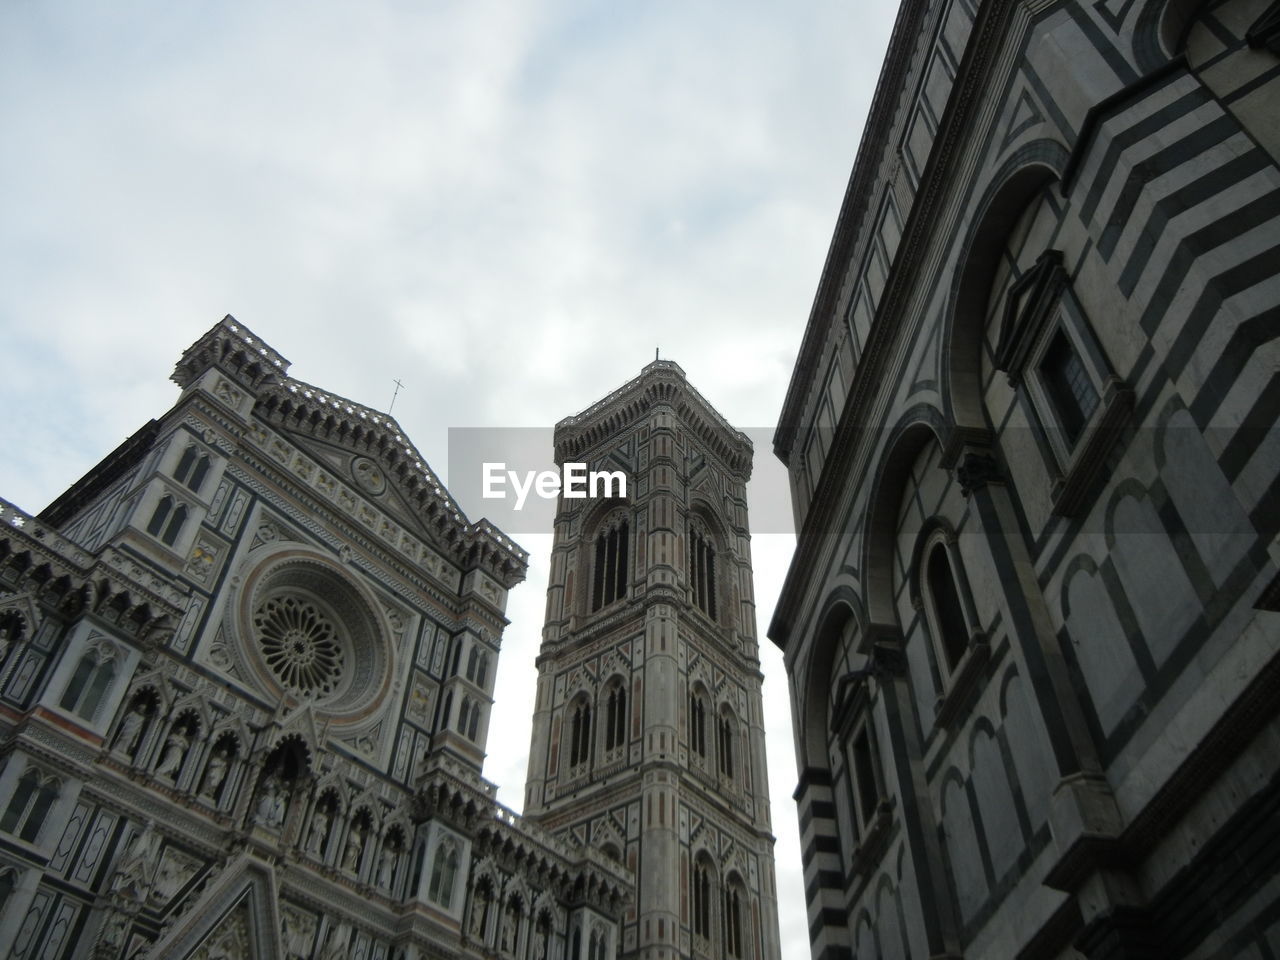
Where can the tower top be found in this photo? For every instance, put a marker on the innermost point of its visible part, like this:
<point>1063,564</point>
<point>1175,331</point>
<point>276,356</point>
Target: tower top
<point>659,382</point>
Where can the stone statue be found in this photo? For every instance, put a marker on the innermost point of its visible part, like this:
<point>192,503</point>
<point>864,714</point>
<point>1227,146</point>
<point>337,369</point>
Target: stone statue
<point>319,830</point>
<point>214,774</point>
<point>175,748</point>
<point>271,804</point>
<point>355,844</point>
<point>478,904</point>
<point>508,930</point>
<point>130,727</point>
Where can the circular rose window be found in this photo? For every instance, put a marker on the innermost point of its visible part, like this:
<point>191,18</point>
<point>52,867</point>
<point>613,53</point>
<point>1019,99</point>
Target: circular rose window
<point>300,645</point>
<point>309,632</point>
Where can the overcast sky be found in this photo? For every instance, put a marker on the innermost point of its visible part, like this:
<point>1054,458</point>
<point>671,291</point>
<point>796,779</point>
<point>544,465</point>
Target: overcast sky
<point>506,205</point>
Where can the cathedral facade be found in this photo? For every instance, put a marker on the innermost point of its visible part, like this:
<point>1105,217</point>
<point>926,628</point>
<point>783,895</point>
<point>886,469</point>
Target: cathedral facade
<point>246,667</point>
<point>1031,625</point>
<point>648,732</point>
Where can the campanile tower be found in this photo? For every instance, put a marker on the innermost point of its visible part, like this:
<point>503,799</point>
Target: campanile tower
<point>648,733</point>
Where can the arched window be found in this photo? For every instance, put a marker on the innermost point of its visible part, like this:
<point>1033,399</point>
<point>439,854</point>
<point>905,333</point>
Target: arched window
<point>192,469</point>
<point>702,570</point>
<point>575,951</point>
<point>945,613</point>
<point>29,805</point>
<point>469,718</point>
<point>579,733</point>
<point>174,527</point>
<point>615,735</point>
<point>726,731</point>
<point>455,663</point>
<point>702,899</point>
<point>698,724</point>
<point>731,920</point>
<point>444,870</point>
<point>159,515</point>
<point>477,666</point>
<point>89,684</point>
<point>609,576</point>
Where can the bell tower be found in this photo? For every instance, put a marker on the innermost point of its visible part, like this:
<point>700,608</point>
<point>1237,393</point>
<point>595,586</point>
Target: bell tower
<point>648,734</point>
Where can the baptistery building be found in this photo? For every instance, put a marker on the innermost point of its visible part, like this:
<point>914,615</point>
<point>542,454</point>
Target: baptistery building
<point>1032,623</point>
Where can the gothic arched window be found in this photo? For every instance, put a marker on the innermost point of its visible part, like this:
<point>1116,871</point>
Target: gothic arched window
<point>944,609</point>
<point>731,920</point>
<point>167,520</point>
<point>615,717</point>
<point>88,684</point>
<point>468,718</point>
<point>609,574</point>
<point>726,730</point>
<point>192,469</point>
<point>698,723</point>
<point>444,870</point>
<point>702,898</point>
<point>579,733</point>
<point>29,805</point>
<point>477,666</point>
<point>702,570</point>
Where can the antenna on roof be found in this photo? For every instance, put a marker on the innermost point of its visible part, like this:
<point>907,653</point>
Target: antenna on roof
<point>394,395</point>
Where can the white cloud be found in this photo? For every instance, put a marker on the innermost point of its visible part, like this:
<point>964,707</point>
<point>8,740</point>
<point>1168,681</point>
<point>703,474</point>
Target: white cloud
<point>507,205</point>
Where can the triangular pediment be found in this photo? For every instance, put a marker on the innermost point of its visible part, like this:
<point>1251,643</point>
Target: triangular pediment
<point>236,918</point>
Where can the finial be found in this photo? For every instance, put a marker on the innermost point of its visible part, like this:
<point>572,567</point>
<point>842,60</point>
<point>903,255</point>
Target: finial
<point>394,395</point>
<point>655,354</point>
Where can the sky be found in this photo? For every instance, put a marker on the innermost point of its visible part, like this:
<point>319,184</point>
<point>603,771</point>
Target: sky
<point>507,206</point>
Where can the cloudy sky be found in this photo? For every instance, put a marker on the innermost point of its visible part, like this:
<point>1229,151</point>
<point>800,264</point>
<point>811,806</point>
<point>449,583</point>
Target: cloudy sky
<point>506,205</point>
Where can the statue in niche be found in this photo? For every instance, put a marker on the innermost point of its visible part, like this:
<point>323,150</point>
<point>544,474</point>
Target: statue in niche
<point>271,803</point>
<point>130,727</point>
<point>215,773</point>
<point>478,904</point>
<point>509,929</point>
<point>318,831</point>
<point>175,748</point>
<point>355,845</point>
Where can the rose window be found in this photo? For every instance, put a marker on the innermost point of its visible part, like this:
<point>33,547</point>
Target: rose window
<point>300,645</point>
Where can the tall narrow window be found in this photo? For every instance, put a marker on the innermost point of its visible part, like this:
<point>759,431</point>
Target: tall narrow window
<point>174,528</point>
<point>732,921</point>
<point>192,469</point>
<point>29,806</point>
<point>949,619</point>
<point>88,685</point>
<point>697,724</point>
<point>701,900</point>
<point>477,666</point>
<point>725,744</point>
<point>615,718</point>
<point>444,870</point>
<point>1069,386</point>
<point>580,734</point>
<point>702,571</point>
<point>866,781</point>
<point>609,578</point>
<point>159,515</point>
